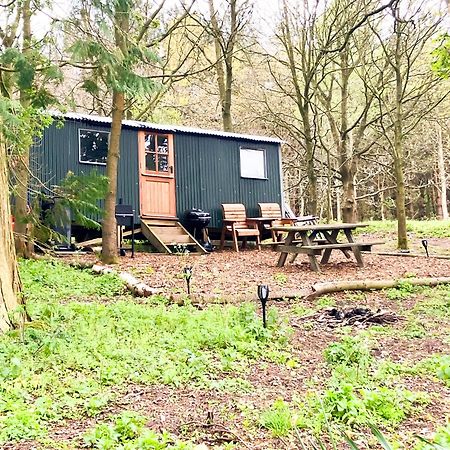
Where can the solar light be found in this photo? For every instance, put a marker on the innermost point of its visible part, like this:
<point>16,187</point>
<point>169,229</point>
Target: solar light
<point>188,275</point>
<point>425,246</point>
<point>263,295</point>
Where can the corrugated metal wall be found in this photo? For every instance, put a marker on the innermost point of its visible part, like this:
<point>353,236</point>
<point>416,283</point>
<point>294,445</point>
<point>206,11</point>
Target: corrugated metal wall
<point>58,153</point>
<point>207,168</point>
<point>208,174</point>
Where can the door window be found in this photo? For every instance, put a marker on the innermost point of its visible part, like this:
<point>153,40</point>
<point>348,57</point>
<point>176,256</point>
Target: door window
<point>157,153</point>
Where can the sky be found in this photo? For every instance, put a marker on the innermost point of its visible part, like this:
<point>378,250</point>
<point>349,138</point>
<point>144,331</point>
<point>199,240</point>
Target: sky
<point>264,15</point>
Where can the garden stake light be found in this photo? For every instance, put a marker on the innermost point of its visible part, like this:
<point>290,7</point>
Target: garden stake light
<point>263,294</point>
<point>188,276</point>
<point>425,246</point>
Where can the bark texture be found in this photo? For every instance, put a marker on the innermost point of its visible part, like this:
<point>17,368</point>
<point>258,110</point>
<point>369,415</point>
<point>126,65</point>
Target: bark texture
<point>10,286</point>
<point>136,287</point>
<point>442,207</point>
<point>398,154</point>
<point>24,246</point>
<point>368,285</point>
<point>109,227</point>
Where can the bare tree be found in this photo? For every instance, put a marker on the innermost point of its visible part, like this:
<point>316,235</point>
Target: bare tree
<point>293,69</point>
<point>344,96</point>
<point>407,86</point>
<point>226,29</point>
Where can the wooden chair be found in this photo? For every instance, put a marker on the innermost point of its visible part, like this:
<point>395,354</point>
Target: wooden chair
<point>273,211</point>
<point>235,223</point>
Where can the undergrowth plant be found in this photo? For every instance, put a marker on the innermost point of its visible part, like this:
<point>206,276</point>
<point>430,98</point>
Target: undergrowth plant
<point>353,397</point>
<point>434,366</point>
<point>86,340</point>
<point>403,291</point>
<point>127,431</point>
<point>279,418</point>
<point>50,281</point>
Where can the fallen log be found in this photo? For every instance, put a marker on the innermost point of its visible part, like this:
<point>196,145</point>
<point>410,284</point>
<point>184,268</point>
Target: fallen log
<point>309,293</point>
<point>206,299</point>
<point>411,255</point>
<point>363,285</point>
<point>80,264</point>
<point>137,288</point>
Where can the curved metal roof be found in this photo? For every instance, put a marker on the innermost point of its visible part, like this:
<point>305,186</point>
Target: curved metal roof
<point>164,128</point>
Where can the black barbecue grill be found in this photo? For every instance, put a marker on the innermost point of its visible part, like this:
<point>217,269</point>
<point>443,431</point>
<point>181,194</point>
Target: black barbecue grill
<point>196,221</point>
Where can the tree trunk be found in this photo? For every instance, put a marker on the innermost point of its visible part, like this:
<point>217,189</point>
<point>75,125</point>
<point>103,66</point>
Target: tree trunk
<point>303,103</point>
<point>23,244</point>
<point>402,238</point>
<point>226,103</point>
<point>11,315</point>
<point>109,227</point>
<point>345,147</point>
<point>224,56</point>
<point>329,188</point>
<point>310,167</point>
<point>443,208</point>
<point>22,236</point>
<point>348,191</point>
<point>338,204</point>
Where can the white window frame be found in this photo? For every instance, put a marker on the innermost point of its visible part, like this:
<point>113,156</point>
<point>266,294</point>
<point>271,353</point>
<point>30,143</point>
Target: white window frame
<point>79,146</point>
<point>246,170</point>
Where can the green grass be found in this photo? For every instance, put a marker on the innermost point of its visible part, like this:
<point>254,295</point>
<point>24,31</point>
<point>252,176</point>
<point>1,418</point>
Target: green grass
<point>89,341</point>
<point>434,302</point>
<point>420,228</point>
<point>73,358</point>
<point>128,431</point>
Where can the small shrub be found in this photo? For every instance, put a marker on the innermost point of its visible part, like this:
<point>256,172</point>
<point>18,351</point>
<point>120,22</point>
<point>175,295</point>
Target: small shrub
<point>127,431</point>
<point>280,278</point>
<point>403,291</point>
<point>443,372</point>
<point>349,352</point>
<point>279,419</point>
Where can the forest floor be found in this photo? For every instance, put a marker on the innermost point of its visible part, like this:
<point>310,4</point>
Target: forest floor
<point>259,389</point>
<point>230,274</point>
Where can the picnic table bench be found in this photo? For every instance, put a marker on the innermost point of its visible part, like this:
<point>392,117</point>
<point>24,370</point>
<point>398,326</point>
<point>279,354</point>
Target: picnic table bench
<point>301,239</point>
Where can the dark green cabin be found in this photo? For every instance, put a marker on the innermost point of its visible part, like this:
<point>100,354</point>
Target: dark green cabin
<point>165,170</point>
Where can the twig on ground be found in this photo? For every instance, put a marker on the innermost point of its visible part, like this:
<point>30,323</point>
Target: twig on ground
<point>211,425</point>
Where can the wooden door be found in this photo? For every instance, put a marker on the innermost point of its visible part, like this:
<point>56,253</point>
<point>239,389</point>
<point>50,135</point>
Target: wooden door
<point>157,176</point>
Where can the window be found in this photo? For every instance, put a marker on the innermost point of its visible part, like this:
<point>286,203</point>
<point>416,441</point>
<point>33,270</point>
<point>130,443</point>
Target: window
<point>93,146</point>
<point>253,163</point>
<point>157,153</point>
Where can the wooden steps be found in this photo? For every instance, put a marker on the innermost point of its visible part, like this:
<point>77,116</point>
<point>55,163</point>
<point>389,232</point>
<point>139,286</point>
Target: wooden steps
<point>168,234</point>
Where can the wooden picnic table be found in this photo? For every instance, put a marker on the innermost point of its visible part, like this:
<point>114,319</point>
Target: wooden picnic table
<point>267,223</point>
<point>312,240</point>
